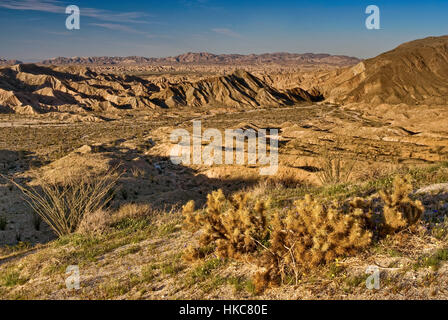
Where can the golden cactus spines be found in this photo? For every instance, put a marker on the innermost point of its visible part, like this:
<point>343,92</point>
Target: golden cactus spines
<point>400,211</point>
<point>311,234</point>
<point>233,225</point>
<point>298,239</point>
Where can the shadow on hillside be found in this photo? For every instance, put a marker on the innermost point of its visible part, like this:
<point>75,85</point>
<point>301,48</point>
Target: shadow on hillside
<point>155,181</point>
<point>46,71</point>
<point>164,185</point>
<point>17,218</point>
<point>10,81</point>
<point>16,162</point>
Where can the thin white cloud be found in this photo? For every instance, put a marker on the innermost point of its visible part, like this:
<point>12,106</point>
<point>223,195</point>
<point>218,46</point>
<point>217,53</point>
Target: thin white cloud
<point>55,6</point>
<point>132,17</point>
<point>66,33</point>
<point>116,27</point>
<point>227,32</point>
<point>35,5</point>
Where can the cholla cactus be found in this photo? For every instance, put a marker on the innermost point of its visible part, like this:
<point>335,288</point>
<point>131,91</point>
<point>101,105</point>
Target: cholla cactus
<point>233,225</point>
<point>366,206</point>
<point>400,211</point>
<point>191,218</point>
<point>304,237</point>
<point>309,235</point>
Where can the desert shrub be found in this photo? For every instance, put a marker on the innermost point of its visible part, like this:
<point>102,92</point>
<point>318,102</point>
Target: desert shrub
<point>100,221</point>
<point>400,211</point>
<point>235,226</point>
<point>308,235</point>
<point>96,222</point>
<point>132,211</point>
<point>297,239</point>
<point>131,215</point>
<point>334,169</point>
<point>63,205</point>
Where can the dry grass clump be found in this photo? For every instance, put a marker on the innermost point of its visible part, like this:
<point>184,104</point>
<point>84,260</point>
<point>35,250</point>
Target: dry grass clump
<point>286,177</point>
<point>234,226</point>
<point>100,221</point>
<point>63,205</point>
<point>400,211</point>
<point>132,211</point>
<point>96,222</point>
<point>309,235</point>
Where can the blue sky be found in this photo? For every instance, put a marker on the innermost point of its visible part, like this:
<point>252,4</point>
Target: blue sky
<point>35,29</point>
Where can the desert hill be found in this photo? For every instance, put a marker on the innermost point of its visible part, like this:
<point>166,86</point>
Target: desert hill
<point>28,88</point>
<point>209,58</point>
<point>414,73</point>
<point>240,89</point>
<point>4,62</point>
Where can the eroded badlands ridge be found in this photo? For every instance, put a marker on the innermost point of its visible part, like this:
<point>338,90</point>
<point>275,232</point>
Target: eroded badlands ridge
<point>28,88</point>
<point>414,73</point>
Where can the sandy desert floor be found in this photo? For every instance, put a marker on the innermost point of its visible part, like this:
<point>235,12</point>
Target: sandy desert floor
<point>145,261</point>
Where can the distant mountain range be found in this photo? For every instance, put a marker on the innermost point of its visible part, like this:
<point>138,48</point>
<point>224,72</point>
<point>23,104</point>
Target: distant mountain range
<point>209,58</point>
<point>414,73</point>
<point>4,62</point>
